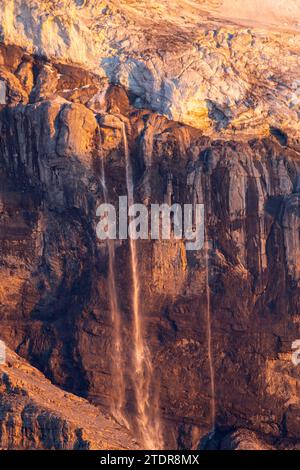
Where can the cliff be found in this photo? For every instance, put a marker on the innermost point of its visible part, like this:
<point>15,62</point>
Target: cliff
<point>204,98</point>
<point>61,126</point>
<point>34,414</point>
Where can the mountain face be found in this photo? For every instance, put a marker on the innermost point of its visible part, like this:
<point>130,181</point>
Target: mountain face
<point>37,415</point>
<point>225,67</point>
<point>205,114</point>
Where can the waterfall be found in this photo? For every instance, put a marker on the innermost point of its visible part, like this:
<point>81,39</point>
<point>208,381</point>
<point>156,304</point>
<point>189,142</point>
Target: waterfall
<point>118,379</point>
<point>148,419</point>
<point>209,338</point>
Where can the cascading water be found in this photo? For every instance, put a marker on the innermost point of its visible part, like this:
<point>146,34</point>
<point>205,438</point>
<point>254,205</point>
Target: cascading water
<point>118,379</point>
<point>209,339</point>
<point>148,419</point>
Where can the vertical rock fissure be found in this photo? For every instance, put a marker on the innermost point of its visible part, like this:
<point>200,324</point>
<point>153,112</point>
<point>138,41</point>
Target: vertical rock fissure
<point>118,401</point>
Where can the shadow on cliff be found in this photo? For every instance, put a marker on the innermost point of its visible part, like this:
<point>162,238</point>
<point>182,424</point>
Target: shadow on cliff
<point>220,115</point>
<point>60,274</point>
<point>142,88</point>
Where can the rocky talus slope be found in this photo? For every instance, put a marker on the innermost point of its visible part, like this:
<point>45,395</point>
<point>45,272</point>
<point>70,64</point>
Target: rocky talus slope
<point>34,414</point>
<point>60,125</point>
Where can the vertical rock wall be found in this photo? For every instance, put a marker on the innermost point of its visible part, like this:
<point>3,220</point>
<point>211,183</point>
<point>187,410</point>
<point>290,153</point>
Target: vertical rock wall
<point>54,306</point>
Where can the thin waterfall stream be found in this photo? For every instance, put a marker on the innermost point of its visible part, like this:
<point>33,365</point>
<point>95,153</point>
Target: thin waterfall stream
<point>209,338</point>
<point>148,419</point>
<point>148,422</point>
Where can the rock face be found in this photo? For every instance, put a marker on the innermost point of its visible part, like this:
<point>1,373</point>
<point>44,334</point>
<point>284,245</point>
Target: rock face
<point>243,440</point>
<point>226,66</point>
<point>34,414</point>
<point>60,126</point>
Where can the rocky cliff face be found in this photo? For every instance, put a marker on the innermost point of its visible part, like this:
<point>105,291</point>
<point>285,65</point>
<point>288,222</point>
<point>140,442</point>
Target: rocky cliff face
<point>60,126</point>
<point>34,414</point>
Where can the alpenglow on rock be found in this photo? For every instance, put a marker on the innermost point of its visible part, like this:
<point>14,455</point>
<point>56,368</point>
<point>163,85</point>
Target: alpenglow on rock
<point>57,279</point>
<point>210,335</point>
<point>193,61</point>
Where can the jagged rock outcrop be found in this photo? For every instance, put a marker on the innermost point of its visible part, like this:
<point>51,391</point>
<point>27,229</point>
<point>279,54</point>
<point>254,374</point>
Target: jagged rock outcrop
<point>54,299</point>
<point>239,439</point>
<point>243,440</point>
<point>34,414</point>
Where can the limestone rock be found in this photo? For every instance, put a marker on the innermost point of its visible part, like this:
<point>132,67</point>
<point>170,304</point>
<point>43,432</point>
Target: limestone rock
<point>34,414</point>
<point>46,84</point>
<point>243,439</point>
<point>15,93</point>
<point>25,75</point>
<point>70,142</point>
<point>54,295</point>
